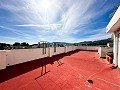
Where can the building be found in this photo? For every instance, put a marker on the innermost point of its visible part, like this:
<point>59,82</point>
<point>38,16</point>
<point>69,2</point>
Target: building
<point>114,27</point>
<point>34,45</point>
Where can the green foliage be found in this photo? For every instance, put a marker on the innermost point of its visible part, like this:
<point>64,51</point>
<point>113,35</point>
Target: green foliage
<point>97,43</point>
<point>16,44</point>
<point>4,46</point>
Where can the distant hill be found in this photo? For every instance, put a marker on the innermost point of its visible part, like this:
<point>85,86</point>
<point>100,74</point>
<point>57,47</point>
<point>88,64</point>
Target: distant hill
<point>64,43</point>
<point>97,43</point>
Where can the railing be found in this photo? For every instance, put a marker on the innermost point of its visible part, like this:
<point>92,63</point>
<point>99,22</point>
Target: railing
<point>12,57</point>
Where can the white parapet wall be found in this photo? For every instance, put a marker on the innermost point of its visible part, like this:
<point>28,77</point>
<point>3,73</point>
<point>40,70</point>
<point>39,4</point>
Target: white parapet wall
<point>91,48</point>
<point>83,47</point>
<point>69,48</point>
<point>12,57</point>
<point>24,55</point>
<point>101,52</point>
<point>2,59</point>
<point>75,48</point>
<point>59,50</point>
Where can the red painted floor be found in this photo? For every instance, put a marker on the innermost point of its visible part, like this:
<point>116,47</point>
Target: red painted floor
<point>63,72</point>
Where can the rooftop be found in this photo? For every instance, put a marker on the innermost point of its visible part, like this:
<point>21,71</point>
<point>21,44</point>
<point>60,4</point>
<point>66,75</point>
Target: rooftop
<point>61,72</point>
<point>114,23</point>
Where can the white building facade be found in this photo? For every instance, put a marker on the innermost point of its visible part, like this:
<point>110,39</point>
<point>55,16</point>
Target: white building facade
<point>114,27</point>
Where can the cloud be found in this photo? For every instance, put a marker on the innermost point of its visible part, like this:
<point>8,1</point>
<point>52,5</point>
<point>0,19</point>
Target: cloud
<point>56,20</point>
<point>45,26</point>
<point>10,40</point>
<point>93,35</point>
<point>96,37</point>
<point>16,31</point>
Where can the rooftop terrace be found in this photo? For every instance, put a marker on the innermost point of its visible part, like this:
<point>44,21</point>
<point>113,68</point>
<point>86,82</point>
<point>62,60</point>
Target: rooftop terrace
<point>68,71</point>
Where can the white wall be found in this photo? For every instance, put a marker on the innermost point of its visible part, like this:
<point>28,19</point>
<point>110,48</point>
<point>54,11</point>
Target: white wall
<point>114,26</point>
<point>12,57</point>
<point>93,48</point>
<point>69,48</point>
<point>59,50</point>
<point>114,19</point>
<point>119,50</point>
<point>115,49</point>
<point>75,47</point>
<point>24,55</point>
<point>2,59</point>
<point>83,47</point>
<point>101,52</point>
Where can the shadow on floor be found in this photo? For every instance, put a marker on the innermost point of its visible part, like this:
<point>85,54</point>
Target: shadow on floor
<point>16,70</point>
<point>43,71</point>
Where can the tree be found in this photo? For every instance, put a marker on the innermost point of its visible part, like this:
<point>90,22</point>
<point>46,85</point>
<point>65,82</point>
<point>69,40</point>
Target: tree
<point>16,44</point>
<point>24,44</point>
<point>1,46</point>
<point>4,46</point>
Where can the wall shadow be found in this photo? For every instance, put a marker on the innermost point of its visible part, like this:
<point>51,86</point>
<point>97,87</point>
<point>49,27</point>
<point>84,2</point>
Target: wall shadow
<point>19,69</point>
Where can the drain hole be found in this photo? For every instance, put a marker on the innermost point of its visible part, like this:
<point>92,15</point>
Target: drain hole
<point>90,81</point>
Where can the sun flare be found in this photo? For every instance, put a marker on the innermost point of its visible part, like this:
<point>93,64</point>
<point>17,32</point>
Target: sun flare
<point>46,4</point>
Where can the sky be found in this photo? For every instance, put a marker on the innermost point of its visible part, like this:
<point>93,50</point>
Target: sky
<point>54,20</point>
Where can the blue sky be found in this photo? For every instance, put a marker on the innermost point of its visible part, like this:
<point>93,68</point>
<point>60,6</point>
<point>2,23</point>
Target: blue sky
<point>54,20</point>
